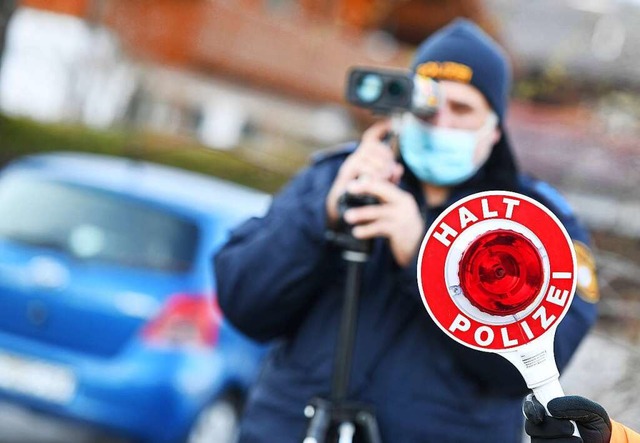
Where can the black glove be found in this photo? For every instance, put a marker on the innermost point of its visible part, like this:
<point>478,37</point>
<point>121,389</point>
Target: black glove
<point>592,420</point>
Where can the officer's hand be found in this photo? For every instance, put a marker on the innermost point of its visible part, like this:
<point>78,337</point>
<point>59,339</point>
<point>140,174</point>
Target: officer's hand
<point>592,420</point>
<point>373,159</point>
<point>396,218</point>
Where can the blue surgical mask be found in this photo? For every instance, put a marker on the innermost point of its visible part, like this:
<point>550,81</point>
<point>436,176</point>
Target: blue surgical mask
<point>441,156</point>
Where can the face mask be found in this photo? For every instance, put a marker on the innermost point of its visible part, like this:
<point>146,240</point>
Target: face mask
<point>441,156</point>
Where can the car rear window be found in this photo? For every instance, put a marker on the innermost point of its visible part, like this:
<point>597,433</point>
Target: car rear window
<point>91,224</point>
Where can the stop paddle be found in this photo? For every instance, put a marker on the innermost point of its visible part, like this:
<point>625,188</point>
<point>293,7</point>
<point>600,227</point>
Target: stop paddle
<point>497,273</point>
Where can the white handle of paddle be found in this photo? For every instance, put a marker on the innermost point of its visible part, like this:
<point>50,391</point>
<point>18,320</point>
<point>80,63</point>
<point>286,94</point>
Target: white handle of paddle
<point>548,392</point>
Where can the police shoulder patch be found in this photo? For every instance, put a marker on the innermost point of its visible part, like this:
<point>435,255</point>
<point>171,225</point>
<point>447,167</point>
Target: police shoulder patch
<point>587,281</point>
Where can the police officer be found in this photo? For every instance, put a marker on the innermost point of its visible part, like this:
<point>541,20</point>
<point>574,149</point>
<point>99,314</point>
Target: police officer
<point>280,279</point>
<point>592,421</point>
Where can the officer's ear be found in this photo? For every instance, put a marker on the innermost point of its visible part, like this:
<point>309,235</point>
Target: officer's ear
<point>487,142</point>
<point>495,135</point>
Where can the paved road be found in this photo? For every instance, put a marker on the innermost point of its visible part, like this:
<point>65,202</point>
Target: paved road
<point>19,425</point>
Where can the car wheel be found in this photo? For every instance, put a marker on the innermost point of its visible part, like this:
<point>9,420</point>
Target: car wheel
<point>218,422</point>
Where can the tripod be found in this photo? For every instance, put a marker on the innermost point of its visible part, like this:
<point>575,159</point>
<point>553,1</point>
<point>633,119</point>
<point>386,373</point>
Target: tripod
<point>337,419</point>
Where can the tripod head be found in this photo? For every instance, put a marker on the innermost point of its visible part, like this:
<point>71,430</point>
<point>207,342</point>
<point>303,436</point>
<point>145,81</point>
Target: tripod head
<point>342,236</point>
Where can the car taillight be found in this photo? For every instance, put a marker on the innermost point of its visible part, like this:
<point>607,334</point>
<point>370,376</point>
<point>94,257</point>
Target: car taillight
<point>501,272</point>
<point>185,321</point>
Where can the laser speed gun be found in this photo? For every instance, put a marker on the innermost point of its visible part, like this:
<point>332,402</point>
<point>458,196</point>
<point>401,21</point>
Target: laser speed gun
<point>389,91</point>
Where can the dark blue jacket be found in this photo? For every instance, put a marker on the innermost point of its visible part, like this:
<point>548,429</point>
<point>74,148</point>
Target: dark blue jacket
<point>278,278</point>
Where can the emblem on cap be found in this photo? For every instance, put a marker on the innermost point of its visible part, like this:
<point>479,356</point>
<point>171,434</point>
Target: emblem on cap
<point>445,71</point>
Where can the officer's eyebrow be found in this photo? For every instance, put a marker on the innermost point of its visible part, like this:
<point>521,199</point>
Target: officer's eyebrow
<point>460,105</point>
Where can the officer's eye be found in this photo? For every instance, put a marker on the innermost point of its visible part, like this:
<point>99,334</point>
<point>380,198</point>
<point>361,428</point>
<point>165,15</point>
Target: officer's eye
<point>461,108</point>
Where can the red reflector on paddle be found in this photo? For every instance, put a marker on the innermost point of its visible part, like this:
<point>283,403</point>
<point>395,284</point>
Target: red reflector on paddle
<point>501,272</point>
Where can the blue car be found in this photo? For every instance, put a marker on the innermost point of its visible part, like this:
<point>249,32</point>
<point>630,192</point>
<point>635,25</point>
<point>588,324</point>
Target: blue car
<point>107,301</point>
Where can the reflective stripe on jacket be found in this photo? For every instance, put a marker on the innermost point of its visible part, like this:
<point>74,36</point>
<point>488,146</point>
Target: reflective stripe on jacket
<point>622,434</point>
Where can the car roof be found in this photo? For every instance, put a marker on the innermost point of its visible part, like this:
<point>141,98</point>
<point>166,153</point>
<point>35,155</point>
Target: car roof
<point>152,182</point>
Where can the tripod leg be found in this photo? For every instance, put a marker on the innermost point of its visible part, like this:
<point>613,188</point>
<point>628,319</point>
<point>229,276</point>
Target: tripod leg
<point>370,426</point>
<point>320,415</point>
<point>346,431</point>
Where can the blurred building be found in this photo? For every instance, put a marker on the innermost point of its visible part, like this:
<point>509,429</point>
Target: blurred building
<point>273,71</point>
<point>591,41</point>
<point>198,63</point>
<point>297,47</point>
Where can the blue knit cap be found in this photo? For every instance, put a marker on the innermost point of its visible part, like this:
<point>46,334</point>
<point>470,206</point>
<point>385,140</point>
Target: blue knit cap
<point>461,51</point>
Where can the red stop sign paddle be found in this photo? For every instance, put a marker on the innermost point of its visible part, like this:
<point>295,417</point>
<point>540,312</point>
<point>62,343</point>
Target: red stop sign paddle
<point>496,272</point>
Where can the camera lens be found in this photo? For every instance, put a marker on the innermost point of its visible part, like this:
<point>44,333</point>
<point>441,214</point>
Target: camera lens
<point>395,89</point>
<point>369,88</point>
